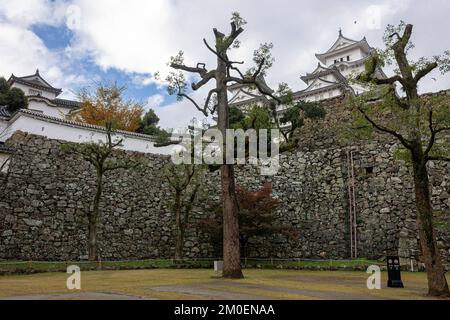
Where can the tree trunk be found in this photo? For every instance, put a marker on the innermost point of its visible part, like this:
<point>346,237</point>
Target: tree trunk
<point>93,218</point>
<point>180,230</point>
<point>231,247</point>
<point>244,243</point>
<point>92,240</point>
<point>437,283</point>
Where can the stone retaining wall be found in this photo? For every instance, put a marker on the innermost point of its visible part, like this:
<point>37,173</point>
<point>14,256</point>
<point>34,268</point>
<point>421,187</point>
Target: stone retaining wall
<point>42,205</point>
<point>46,193</point>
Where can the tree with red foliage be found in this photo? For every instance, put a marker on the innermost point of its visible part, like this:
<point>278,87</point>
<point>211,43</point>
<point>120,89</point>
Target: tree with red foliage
<point>256,214</point>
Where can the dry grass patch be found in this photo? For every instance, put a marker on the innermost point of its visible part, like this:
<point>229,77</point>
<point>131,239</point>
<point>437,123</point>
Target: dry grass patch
<point>267,284</point>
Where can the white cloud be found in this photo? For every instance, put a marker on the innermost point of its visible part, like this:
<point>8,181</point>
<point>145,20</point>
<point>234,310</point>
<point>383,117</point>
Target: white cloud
<point>28,12</point>
<point>179,114</point>
<point>155,101</point>
<point>139,36</point>
<point>140,80</point>
<point>132,36</point>
<point>22,52</point>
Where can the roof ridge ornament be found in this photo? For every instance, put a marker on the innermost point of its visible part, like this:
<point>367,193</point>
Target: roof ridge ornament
<point>340,32</point>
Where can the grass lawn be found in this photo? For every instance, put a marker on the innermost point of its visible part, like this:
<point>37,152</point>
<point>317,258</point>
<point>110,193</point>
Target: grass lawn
<point>36,267</point>
<point>199,284</point>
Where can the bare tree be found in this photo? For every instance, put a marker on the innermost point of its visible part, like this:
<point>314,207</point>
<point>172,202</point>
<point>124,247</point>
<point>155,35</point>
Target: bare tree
<point>225,74</point>
<point>416,123</point>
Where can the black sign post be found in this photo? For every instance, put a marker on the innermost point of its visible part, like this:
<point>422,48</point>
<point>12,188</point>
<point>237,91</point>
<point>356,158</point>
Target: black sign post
<point>394,272</point>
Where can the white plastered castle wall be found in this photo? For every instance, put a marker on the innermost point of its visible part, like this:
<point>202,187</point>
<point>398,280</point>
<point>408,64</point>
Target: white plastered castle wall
<point>29,91</point>
<point>51,111</point>
<point>78,134</point>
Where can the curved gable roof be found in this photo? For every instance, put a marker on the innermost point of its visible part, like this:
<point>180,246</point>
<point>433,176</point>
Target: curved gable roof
<point>341,44</point>
<point>35,81</point>
<point>320,71</point>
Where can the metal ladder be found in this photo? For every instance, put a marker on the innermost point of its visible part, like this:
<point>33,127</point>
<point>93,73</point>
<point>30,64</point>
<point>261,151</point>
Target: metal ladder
<point>353,225</point>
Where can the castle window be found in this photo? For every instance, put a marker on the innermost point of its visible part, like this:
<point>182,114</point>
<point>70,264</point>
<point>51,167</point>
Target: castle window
<point>33,92</point>
<point>342,59</point>
<point>369,170</point>
<point>348,58</point>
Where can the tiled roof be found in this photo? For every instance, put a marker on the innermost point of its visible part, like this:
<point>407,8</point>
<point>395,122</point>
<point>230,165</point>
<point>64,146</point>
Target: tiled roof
<point>4,112</point>
<point>4,148</point>
<point>41,116</point>
<point>63,103</point>
<point>67,103</point>
<point>304,93</point>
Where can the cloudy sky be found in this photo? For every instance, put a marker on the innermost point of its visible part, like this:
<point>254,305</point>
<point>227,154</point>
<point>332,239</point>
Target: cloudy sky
<point>75,43</point>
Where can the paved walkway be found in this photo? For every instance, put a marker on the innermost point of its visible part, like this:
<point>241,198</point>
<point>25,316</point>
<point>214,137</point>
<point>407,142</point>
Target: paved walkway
<point>78,296</point>
<point>221,291</point>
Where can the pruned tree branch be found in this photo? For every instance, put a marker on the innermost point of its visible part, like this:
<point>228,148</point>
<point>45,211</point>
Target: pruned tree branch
<point>404,39</point>
<point>439,158</point>
<point>205,79</point>
<point>260,85</point>
<point>200,70</point>
<point>202,110</point>
<point>405,142</point>
<point>395,34</point>
<point>235,32</point>
<point>214,51</point>
<point>208,99</point>
<point>433,132</point>
<point>442,129</point>
<point>237,70</point>
<point>426,70</point>
<point>390,80</point>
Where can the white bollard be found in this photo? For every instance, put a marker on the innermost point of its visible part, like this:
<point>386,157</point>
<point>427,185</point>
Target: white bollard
<point>218,266</point>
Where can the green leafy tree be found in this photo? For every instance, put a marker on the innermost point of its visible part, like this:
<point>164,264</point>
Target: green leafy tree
<point>185,181</point>
<point>296,116</point>
<point>100,156</point>
<point>258,118</point>
<point>237,117</point>
<point>14,98</point>
<point>149,123</point>
<point>293,114</point>
<point>421,125</point>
